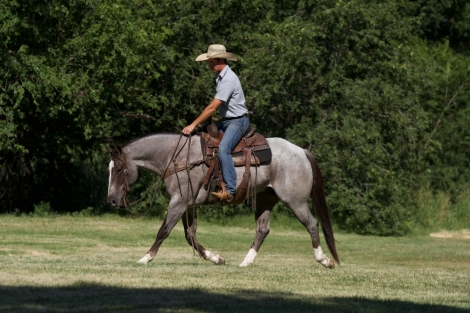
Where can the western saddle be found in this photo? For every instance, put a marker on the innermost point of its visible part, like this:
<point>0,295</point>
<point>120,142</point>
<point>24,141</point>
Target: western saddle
<point>252,150</point>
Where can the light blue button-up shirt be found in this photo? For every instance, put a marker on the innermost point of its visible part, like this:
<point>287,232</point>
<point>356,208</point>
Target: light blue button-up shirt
<point>230,92</point>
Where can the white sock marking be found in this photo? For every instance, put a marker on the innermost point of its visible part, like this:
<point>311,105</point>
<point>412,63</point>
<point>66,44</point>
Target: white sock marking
<point>146,259</point>
<point>212,256</point>
<point>250,257</point>
<point>319,256</point>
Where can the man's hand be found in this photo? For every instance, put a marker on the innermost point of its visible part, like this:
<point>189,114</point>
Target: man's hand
<point>188,129</point>
<point>203,116</point>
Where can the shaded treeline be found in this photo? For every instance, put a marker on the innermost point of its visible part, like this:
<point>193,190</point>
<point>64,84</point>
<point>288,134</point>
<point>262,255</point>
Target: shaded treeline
<point>377,90</point>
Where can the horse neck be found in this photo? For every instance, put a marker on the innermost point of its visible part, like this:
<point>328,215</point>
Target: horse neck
<point>154,152</point>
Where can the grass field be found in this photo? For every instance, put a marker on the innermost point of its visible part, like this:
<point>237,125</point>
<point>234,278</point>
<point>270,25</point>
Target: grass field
<point>82,264</point>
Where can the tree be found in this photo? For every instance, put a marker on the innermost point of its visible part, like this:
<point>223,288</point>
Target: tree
<point>372,88</point>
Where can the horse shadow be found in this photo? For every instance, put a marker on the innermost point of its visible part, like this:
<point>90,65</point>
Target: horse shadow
<point>86,297</point>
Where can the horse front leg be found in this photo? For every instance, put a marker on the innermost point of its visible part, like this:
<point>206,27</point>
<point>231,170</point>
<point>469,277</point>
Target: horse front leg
<point>176,209</point>
<point>190,225</point>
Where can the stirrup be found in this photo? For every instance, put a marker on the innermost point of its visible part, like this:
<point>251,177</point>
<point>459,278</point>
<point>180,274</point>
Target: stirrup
<point>222,194</point>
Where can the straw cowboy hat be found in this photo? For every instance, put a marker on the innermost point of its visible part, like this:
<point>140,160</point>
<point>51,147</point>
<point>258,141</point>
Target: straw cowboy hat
<point>217,52</point>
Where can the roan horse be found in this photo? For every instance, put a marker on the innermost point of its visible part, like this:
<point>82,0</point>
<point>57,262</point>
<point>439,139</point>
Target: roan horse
<point>292,177</point>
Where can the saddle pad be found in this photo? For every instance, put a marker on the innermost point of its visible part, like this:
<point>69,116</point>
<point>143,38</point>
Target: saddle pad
<point>262,157</point>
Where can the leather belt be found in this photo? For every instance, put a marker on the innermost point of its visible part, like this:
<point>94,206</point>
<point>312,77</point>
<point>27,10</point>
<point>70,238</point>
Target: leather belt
<point>232,118</point>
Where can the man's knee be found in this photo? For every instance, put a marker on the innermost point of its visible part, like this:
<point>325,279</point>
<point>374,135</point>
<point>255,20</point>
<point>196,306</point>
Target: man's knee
<point>224,150</point>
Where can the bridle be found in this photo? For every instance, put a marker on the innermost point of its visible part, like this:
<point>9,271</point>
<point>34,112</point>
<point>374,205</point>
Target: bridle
<point>125,188</point>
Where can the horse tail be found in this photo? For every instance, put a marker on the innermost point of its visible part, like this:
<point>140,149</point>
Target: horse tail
<point>319,205</point>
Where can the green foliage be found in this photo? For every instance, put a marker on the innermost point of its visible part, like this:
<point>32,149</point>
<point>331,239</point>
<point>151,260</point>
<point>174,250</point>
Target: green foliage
<point>439,210</point>
<point>446,20</point>
<point>377,90</point>
<point>88,212</point>
<point>42,209</point>
<point>149,195</point>
<point>221,213</point>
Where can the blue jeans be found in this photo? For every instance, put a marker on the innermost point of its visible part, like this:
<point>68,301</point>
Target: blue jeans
<point>233,131</point>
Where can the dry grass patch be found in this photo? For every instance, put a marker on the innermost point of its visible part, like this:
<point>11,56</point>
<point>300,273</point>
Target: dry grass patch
<point>462,234</point>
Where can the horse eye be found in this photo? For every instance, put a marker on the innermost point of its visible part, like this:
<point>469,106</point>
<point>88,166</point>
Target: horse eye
<point>118,170</point>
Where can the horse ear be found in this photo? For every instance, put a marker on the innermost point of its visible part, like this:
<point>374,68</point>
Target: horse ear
<point>119,149</point>
<point>108,149</point>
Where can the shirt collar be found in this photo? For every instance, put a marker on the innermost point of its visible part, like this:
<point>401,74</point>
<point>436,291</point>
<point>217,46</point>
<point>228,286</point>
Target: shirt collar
<point>224,71</point>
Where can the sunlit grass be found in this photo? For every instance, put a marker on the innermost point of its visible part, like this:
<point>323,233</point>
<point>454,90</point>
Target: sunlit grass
<point>46,264</point>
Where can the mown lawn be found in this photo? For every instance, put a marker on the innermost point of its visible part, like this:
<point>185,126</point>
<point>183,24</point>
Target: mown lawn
<point>84,264</point>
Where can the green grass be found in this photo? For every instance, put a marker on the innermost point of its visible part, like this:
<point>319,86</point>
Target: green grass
<point>84,264</point>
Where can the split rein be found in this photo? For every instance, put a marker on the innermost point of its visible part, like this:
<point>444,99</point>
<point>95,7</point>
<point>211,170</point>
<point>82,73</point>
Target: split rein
<point>176,168</point>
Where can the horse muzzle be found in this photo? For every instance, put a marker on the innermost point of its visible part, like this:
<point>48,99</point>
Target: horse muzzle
<point>115,200</point>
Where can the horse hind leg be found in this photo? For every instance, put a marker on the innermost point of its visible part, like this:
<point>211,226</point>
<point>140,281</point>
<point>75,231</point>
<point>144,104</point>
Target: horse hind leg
<point>311,225</point>
<point>262,231</point>
<point>265,203</point>
<point>190,225</point>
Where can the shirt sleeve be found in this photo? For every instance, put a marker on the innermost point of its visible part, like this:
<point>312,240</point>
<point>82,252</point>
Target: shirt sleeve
<point>224,90</point>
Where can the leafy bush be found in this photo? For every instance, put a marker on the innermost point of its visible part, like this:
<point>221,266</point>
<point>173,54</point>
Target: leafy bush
<point>373,88</point>
<point>43,209</point>
<point>439,210</point>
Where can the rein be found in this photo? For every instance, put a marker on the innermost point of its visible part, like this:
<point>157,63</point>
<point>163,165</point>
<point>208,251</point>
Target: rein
<point>126,189</point>
<point>166,173</point>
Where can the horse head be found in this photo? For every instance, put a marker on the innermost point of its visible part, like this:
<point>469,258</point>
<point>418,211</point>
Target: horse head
<point>122,173</point>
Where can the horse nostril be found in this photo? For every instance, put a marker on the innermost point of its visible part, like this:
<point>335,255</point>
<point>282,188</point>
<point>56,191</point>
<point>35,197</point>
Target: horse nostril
<point>113,203</point>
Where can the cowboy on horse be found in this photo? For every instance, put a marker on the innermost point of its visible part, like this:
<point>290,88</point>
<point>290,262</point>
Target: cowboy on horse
<point>229,99</point>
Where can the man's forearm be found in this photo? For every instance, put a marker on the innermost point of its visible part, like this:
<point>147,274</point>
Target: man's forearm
<point>208,111</point>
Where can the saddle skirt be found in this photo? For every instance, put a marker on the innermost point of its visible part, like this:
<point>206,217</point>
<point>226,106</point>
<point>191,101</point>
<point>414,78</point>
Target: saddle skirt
<point>252,150</point>
<point>257,143</point>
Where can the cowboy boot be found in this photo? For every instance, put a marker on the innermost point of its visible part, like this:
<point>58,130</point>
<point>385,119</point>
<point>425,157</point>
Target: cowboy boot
<point>222,194</point>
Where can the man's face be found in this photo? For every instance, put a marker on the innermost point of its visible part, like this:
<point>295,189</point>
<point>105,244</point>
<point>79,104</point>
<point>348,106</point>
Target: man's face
<point>216,65</point>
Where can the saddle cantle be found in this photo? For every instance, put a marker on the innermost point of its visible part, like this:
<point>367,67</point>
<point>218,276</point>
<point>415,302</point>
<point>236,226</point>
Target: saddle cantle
<point>252,150</point>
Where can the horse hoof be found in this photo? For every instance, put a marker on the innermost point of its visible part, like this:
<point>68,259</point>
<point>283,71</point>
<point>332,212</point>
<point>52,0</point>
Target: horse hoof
<point>331,265</point>
<point>214,258</point>
<point>145,260</point>
<point>221,260</point>
<point>328,263</point>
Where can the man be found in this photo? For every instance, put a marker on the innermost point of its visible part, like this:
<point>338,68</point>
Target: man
<point>230,100</point>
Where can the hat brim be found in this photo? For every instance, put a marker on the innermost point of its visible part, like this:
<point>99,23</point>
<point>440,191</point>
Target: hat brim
<point>222,55</point>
